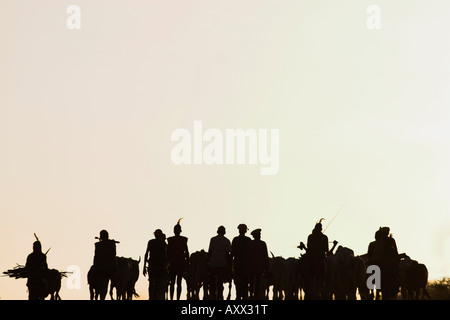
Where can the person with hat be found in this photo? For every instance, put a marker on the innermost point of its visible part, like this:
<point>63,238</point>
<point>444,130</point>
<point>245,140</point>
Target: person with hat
<point>259,265</point>
<point>219,262</point>
<point>178,257</point>
<point>155,263</point>
<point>104,261</point>
<point>36,266</point>
<point>317,250</point>
<point>239,251</point>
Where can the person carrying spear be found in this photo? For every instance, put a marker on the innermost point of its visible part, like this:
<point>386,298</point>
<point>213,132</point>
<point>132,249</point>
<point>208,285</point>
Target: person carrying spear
<point>36,267</point>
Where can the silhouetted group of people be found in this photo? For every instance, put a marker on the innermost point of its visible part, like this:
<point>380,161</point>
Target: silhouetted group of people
<point>382,252</point>
<point>164,260</point>
<point>244,260</point>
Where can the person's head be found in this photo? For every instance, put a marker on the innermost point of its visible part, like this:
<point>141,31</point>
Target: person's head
<point>177,228</point>
<point>37,247</point>
<point>384,232</point>
<point>318,226</point>
<point>158,234</point>
<point>221,230</point>
<point>242,228</point>
<point>377,235</point>
<point>256,234</point>
<point>104,235</point>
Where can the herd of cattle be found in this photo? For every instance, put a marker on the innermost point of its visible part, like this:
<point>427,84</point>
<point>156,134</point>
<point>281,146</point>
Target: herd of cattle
<point>346,278</point>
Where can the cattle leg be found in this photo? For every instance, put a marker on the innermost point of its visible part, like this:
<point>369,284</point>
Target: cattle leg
<point>103,287</point>
<point>91,292</point>
<point>111,292</point>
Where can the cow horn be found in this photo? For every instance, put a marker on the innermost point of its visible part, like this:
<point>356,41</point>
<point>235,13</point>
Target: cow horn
<point>178,222</point>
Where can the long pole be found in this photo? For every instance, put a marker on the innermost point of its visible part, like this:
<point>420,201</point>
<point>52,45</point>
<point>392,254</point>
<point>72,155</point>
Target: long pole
<point>334,217</point>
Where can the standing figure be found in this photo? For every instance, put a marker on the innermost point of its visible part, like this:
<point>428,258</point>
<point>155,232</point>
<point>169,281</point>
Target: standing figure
<point>389,266</point>
<point>156,259</point>
<point>317,250</point>
<point>259,265</point>
<point>178,257</point>
<point>374,257</point>
<point>219,263</point>
<point>104,262</point>
<point>36,267</point>
<point>240,249</point>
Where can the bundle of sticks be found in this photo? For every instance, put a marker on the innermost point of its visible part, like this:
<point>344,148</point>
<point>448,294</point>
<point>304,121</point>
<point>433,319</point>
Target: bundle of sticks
<point>20,272</point>
<point>17,272</point>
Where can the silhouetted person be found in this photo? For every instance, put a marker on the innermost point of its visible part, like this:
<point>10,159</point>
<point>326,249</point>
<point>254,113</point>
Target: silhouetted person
<point>389,265</point>
<point>219,262</point>
<point>178,257</point>
<point>240,247</point>
<point>317,249</point>
<point>375,250</point>
<point>36,267</point>
<point>156,259</point>
<point>104,262</point>
<point>259,265</point>
<point>375,254</point>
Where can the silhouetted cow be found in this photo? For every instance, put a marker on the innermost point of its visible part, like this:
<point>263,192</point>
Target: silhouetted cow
<point>197,274</point>
<point>124,279</point>
<point>94,284</point>
<point>52,284</point>
<point>413,278</point>
<point>345,274</point>
<point>276,277</point>
<point>292,288</point>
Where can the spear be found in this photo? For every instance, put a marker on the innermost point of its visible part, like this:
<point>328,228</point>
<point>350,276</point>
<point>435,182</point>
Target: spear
<point>334,217</point>
<point>115,241</point>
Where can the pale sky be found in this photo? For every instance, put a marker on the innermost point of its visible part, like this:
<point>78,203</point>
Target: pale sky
<point>86,118</point>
